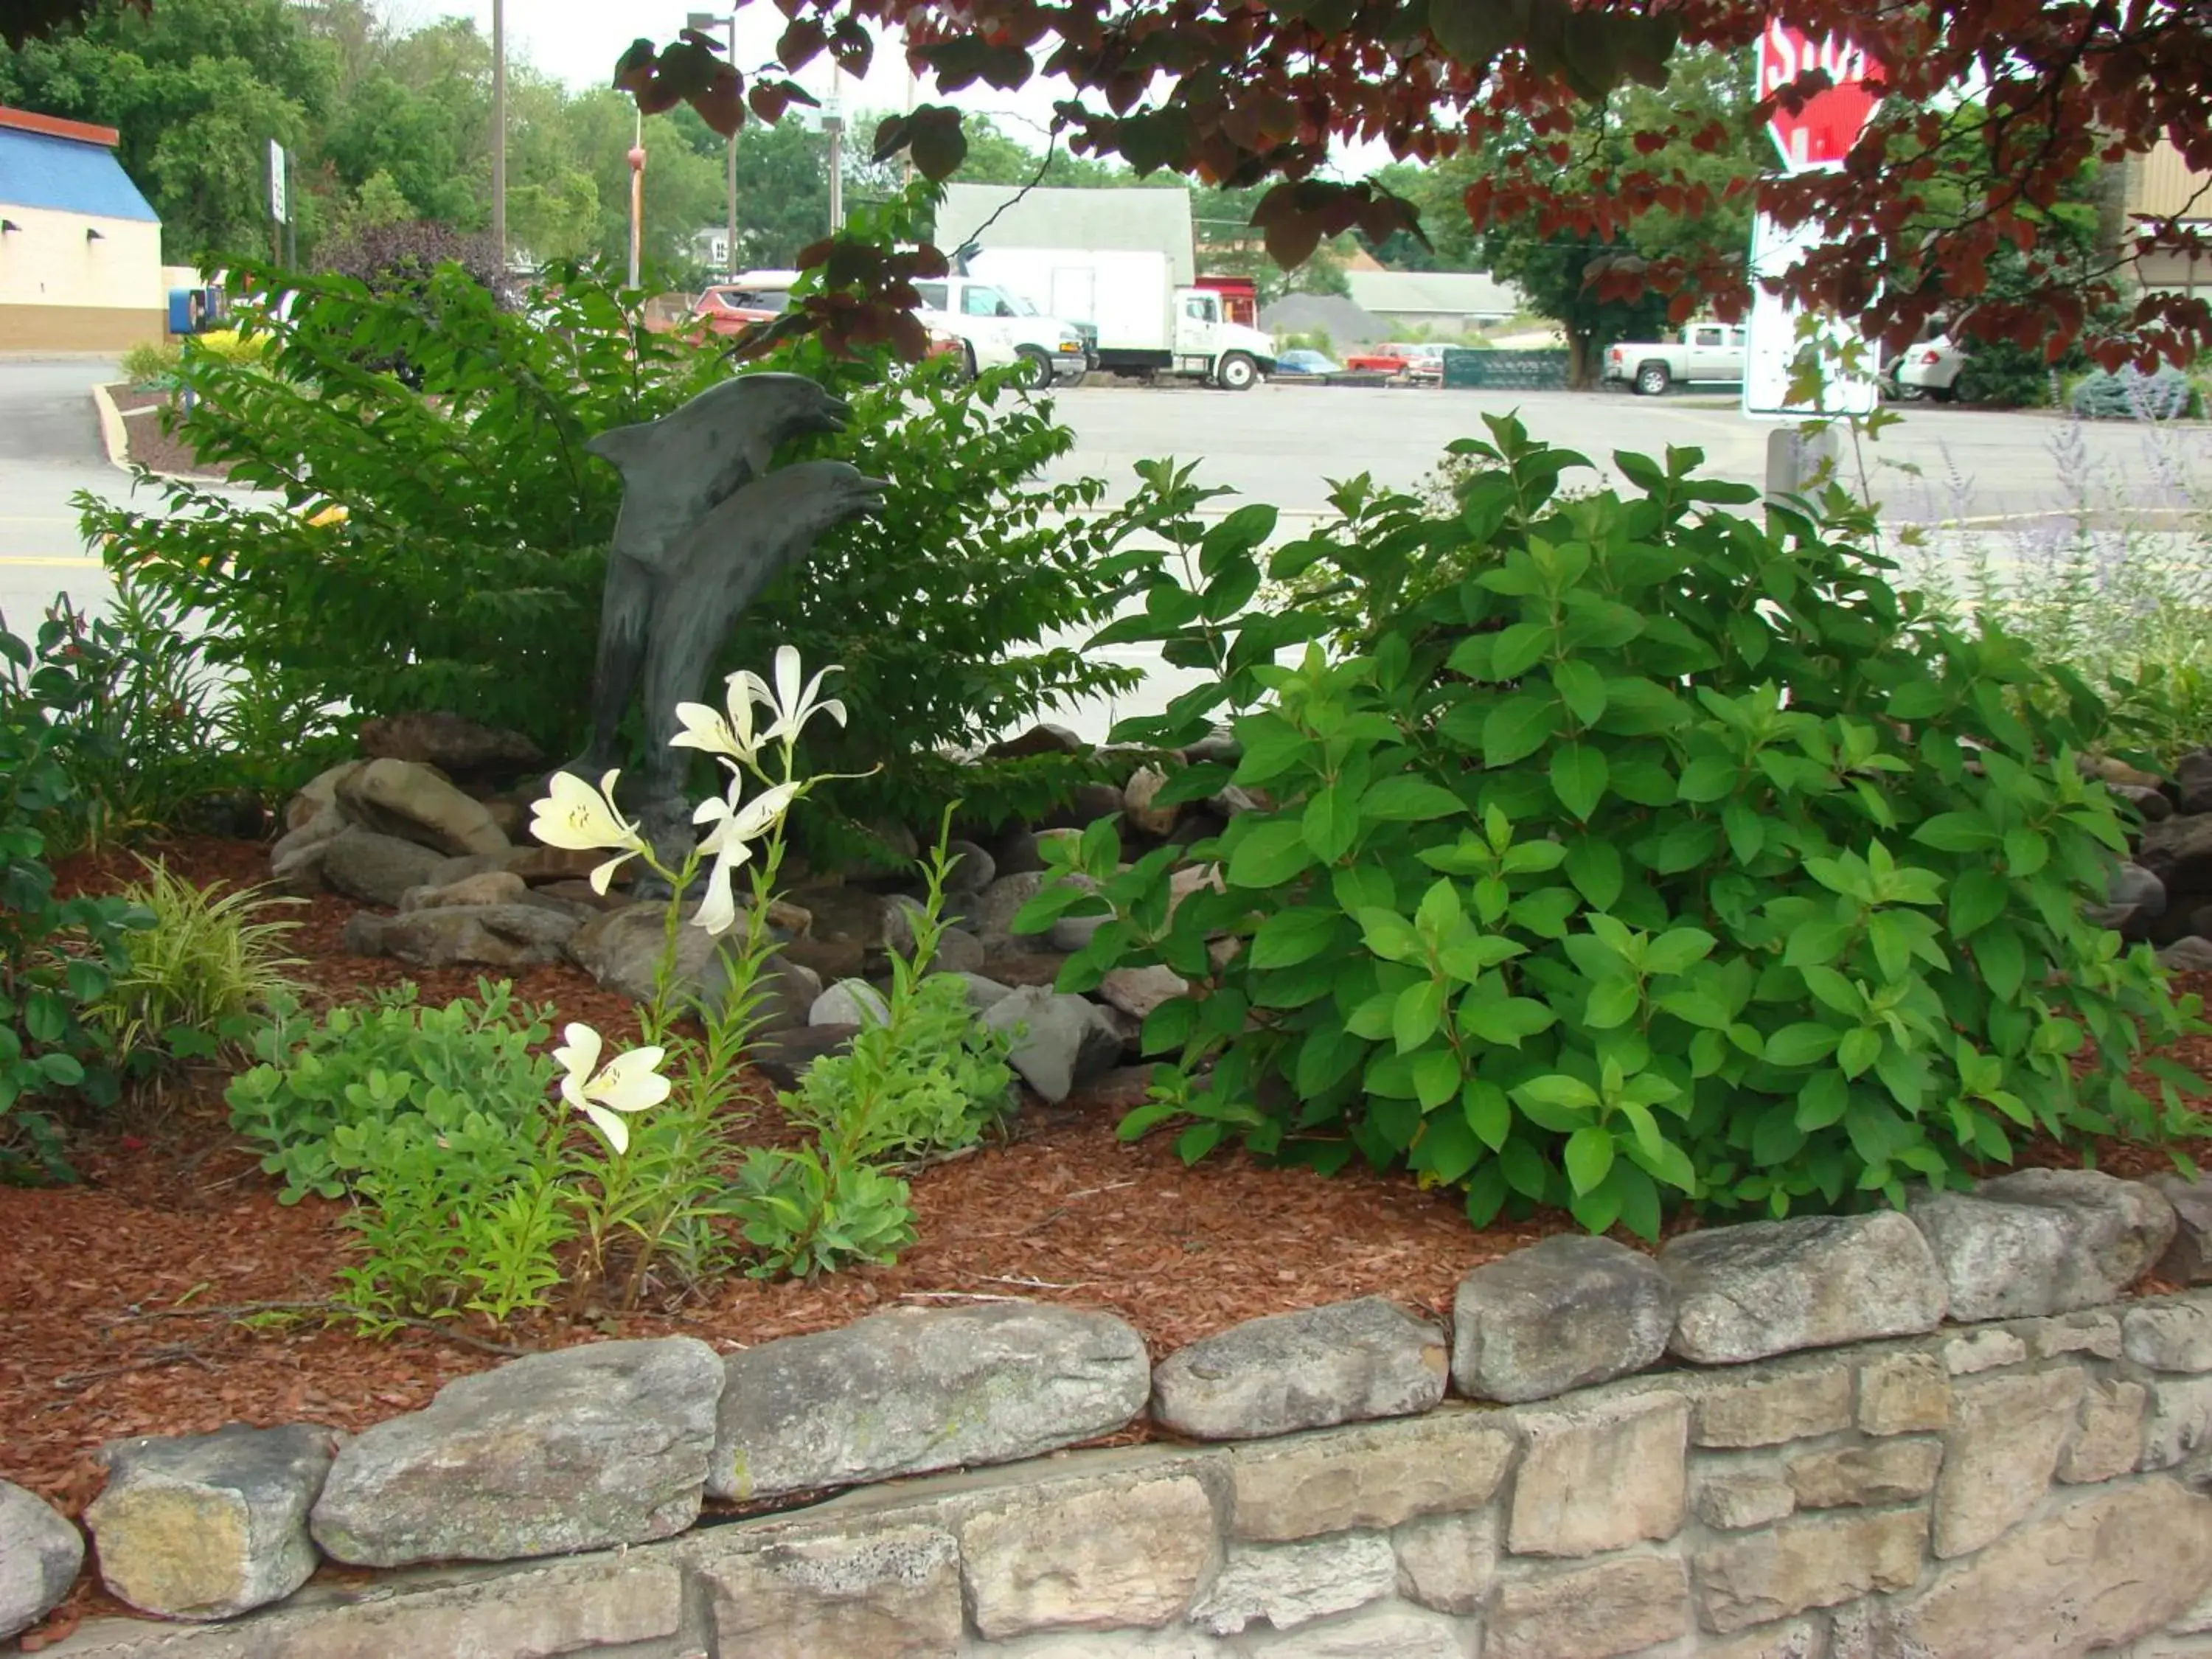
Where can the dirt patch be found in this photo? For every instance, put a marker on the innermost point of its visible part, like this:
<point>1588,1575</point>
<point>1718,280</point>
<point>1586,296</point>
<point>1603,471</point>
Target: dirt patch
<point>148,441</point>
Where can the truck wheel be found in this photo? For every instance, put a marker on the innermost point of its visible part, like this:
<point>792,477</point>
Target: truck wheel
<point>1236,372</point>
<point>1036,368</point>
<point>968,357</point>
<point>1652,380</point>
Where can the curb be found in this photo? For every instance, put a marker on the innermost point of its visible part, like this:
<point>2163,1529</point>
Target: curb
<point>115,438</point>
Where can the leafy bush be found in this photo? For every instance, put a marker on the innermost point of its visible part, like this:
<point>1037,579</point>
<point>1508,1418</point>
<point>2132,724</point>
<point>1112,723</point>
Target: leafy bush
<point>2131,395</point>
<point>392,1059</point>
<point>225,345</point>
<point>150,363</point>
<point>467,573</point>
<point>1998,374</point>
<point>203,973</point>
<point>57,955</point>
<point>1666,856</point>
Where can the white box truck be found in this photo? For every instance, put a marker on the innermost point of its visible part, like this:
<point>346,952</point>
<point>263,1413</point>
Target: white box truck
<point>1121,262</point>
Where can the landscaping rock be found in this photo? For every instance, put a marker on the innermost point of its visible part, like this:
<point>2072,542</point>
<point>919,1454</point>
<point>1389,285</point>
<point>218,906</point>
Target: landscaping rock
<point>40,1555</point>
<point>1137,798</point>
<point>2150,803</point>
<point>2188,1259</point>
<point>2169,1336</point>
<point>2178,1422</point>
<point>786,1055</point>
<point>1285,1585</point>
<point>1614,1606</point>
<point>2192,955</point>
<point>2179,852</point>
<point>2006,1436</point>
<point>1138,991</point>
<point>1097,1555</point>
<point>1736,1502</point>
<point>485,887</point>
<point>972,868</point>
<point>849,1002</point>
<point>1768,1287</point>
<point>2132,885</point>
<point>1042,739</point>
<point>2044,1241</point>
<point>620,951</point>
<point>1344,1363</point>
<point>1903,1393</point>
<point>375,868</point>
<point>1121,1089</point>
<point>2192,778</point>
<point>1017,966</point>
<point>456,746</point>
<point>1058,1041</point>
<point>208,1526</point>
<point>889,1594</point>
<point>575,1449</point>
<point>2108,1441</point>
<point>1375,1476</point>
<point>1018,853</point>
<point>1073,933</point>
<point>2050,1587</point>
<point>1793,1402</point>
<point>2113,770</point>
<point>399,797</point>
<point>1563,1314</point>
<point>1815,1561</point>
<point>915,1389</point>
<point>510,937</point>
<point>1857,1476</point>
<point>1601,1475</point>
<point>1087,803</point>
<point>319,794</point>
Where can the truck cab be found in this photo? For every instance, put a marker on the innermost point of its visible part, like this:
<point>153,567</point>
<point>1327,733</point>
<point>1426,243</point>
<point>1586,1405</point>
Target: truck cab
<point>1000,327</point>
<point>1206,344</point>
<point>1705,352</point>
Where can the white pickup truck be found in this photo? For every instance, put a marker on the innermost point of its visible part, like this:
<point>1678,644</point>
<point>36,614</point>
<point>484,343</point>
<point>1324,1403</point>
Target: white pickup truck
<point>1705,352</point>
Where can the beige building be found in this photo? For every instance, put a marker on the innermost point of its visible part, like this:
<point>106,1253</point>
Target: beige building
<point>2159,183</point>
<point>80,248</point>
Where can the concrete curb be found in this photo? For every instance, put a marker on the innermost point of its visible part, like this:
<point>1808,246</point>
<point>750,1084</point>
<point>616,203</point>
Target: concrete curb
<point>115,438</point>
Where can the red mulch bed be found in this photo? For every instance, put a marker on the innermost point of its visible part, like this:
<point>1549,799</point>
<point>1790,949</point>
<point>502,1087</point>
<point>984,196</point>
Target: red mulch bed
<point>174,1214</point>
<point>146,445</point>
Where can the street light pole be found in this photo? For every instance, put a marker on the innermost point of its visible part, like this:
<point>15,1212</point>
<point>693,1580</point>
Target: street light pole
<point>702,21</point>
<point>833,122</point>
<point>637,200</point>
<point>499,130</point>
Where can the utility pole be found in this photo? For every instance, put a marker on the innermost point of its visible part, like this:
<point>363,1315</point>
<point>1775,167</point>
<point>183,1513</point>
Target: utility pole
<point>833,123</point>
<point>702,22</point>
<point>636,200</point>
<point>499,131</point>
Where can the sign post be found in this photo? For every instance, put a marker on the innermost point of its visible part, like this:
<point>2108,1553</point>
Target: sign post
<point>1815,139</point>
<point>280,200</point>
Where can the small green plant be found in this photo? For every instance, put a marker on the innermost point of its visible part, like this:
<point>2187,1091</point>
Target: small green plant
<point>203,973</point>
<point>1662,856</point>
<point>358,1067</point>
<point>57,955</point>
<point>927,1079</point>
<point>152,364</point>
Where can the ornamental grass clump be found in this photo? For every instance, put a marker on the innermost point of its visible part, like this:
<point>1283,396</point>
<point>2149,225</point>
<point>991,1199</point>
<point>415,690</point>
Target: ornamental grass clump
<point>1621,853</point>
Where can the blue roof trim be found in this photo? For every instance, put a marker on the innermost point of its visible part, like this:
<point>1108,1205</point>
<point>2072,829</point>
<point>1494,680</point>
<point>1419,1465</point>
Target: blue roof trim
<point>68,175</point>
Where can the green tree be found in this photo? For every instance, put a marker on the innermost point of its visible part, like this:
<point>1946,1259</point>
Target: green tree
<point>196,88</point>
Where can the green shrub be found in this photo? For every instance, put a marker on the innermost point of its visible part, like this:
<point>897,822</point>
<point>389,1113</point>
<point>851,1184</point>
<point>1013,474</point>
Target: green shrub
<point>1998,374</point>
<point>151,364</point>
<point>203,973</point>
<point>1665,856</point>
<point>2131,395</point>
<point>467,573</point>
<point>57,956</point>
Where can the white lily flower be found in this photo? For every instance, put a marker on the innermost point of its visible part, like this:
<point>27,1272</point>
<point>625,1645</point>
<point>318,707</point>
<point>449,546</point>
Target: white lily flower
<point>575,816</point>
<point>734,826</point>
<point>728,735</point>
<point>630,1082</point>
<point>792,704</point>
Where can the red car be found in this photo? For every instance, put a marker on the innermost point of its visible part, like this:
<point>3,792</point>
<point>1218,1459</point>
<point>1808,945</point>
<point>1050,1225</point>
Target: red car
<point>1379,360</point>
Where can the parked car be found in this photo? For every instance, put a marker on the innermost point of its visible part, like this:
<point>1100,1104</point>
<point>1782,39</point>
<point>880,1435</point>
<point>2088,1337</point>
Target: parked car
<point>1378,360</point>
<point>733,308</point>
<point>1929,367</point>
<point>1298,363</point>
<point>1705,352</point>
<point>1425,365</point>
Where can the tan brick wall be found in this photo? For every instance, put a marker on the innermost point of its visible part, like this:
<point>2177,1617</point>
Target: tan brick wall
<point>76,328</point>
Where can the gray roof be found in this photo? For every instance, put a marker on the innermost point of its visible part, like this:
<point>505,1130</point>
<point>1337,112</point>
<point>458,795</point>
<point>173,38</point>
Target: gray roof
<point>1155,218</point>
<point>1433,293</point>
<point>1345,323</point>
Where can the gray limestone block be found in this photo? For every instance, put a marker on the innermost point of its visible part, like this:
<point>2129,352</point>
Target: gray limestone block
<point>2044,1241</point>
<point>1344,1363</point>
<point>578,1449</point>
<point>510,937</point>
<point>2188,1259</point>
<point>1059,1041</point>
<point>1770,1287</point>
<point>915,1389</point>
<point>849,1002</point>
<point>412,801</point>
<point>1563,1314</point>
<point>209,1526</point>
<point>40,1555</point>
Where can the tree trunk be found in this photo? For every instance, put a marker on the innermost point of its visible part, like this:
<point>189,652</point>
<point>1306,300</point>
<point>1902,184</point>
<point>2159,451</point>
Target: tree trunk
<point>1581,360</point>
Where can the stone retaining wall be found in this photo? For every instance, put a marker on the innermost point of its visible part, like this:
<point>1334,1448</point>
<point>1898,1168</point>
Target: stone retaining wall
<point>2028,1487</point>
<point>2031,1484</point>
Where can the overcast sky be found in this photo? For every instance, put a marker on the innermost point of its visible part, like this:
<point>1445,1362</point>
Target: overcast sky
<point>577,42</point>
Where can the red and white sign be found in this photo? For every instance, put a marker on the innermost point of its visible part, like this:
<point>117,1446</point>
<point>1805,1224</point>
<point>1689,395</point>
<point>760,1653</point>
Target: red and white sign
<point>1819,135</point>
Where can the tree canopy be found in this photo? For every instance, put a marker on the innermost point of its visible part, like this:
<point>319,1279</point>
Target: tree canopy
<point>1990,110</point>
